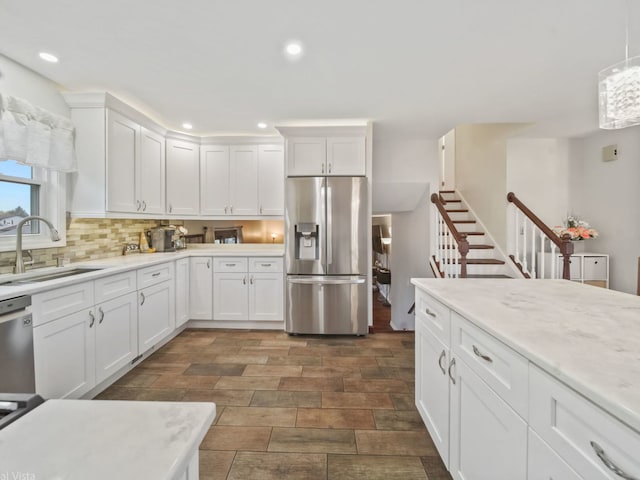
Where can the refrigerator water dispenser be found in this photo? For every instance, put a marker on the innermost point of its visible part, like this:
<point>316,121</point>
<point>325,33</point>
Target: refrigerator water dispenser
<point>307,245</point>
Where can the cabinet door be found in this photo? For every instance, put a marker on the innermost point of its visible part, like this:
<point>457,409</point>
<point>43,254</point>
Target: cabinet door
<point>270,180</point>
<point>306,156</point>
<point>156,314</point>
<point>150,172</point>
<point>432,386</point>
<point>200,288</point>
<point>230,296</point>
<point>123,140</point>
<point>214,179</point>
<point>266,296</point>
<point>182,291</point>
<point>183,178</point>
<point>545,464</point>
<point>488,438</point>
<point>116,335</point>
<point>64,353</point>
<point>346,156</point>
<point>243,169</point>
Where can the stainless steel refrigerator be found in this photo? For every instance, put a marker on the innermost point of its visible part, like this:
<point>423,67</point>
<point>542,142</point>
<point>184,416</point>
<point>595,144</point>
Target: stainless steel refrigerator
<point>326,255</point>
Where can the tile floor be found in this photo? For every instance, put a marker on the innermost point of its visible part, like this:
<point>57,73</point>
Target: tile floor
<point>301,407</point>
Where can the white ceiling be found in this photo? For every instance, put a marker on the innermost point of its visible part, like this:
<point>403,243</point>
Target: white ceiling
<point>415,67</point>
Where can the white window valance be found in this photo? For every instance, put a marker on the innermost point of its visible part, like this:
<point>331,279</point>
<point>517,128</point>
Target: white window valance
<point>33,136</point>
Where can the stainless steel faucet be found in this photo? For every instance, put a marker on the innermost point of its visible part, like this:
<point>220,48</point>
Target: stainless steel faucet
<point>19,268</point>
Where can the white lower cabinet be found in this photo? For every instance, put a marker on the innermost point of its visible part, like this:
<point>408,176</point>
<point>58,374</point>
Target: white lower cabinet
<point>266,291</point>
<point>156,314</point>
<point>545,464</point>
<point>230,296</point>
<point>488,439</point>
<point>64,353</point>
<point>201,288</point>
<point>182,291</point>
<point>116,330</point>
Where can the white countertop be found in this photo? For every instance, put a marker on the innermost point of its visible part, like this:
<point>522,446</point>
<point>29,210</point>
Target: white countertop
<point>587,337</point>
<point>94,439</point>
<point>111,265</point>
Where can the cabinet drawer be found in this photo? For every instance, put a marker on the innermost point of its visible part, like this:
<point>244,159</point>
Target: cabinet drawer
<point>230,264</point>
<point>545,464</point>
<point>259,264</point>
<point>435,316</point>
<point>575,428</point>
<point>504,370</point>
<point>63,301</point>
<point>155,274</point>
<point>595,268</point>
<point>114,286</point>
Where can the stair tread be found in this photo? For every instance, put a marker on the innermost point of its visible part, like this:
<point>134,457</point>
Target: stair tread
<point>457,210</point>
<point>452,201</point>
<point>463,221</point>
<point>474,246</point>
<point>480,261</point>
<point>447,191</point>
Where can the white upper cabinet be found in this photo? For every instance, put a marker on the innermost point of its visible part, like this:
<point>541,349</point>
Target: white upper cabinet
<point>214,179</point>
<point>243,180</point>
<point>183,172</point>
<point>270,180</point>
<point>135,167</point>
<point>313,156</point>
<point>346,156</point>
<point>306,156</point>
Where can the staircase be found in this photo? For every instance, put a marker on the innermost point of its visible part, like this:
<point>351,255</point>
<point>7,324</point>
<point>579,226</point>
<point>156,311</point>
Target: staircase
<point>461,232</point>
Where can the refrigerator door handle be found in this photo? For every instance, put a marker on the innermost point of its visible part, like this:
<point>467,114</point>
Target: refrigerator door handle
<point>329,226</point>
<point>327,280</point>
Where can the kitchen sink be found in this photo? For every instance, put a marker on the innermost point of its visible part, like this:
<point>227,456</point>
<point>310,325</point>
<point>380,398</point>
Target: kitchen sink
<point>44,277</point>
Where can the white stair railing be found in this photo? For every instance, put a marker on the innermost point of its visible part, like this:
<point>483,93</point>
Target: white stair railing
<point>449,248</point>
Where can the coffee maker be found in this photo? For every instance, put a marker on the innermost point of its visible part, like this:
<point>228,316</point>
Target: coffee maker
<point>162,239</point>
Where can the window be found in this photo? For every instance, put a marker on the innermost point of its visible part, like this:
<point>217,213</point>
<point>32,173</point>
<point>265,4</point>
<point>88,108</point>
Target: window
<point>25,191</point>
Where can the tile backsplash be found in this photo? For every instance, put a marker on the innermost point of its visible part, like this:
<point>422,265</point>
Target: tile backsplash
<point>87,239</point>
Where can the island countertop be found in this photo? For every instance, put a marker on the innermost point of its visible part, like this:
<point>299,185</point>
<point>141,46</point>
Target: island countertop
<point>100,439</point>
<point>587,337</point>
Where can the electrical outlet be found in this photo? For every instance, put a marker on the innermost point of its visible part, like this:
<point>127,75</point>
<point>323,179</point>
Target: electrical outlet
<point>610,153</point>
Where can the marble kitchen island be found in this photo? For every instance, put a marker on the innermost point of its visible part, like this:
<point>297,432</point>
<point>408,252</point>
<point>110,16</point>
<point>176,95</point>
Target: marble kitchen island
<point>529,378</point>
<point>94,439</point>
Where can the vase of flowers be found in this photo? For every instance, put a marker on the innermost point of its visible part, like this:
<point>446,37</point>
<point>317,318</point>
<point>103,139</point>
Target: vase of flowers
<point>577,229</point>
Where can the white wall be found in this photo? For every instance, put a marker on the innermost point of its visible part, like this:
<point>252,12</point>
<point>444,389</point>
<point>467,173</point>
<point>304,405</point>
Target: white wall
<point>538,173</point>
<point>397,160</point>
<point>607,195</point>
<point>19,81</point>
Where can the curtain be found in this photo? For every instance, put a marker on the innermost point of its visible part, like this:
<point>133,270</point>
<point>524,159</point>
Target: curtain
<point>33,136</point>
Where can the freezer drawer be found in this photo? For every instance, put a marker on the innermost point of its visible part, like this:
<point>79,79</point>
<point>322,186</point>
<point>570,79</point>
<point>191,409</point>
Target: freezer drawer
<point>334,305</point>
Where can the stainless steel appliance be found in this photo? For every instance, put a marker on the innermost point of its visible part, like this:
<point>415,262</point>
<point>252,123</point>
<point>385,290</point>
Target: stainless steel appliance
<point>326,255</point>
<point>15,405</point>
<point>162,239</point>
<point>17,373</point>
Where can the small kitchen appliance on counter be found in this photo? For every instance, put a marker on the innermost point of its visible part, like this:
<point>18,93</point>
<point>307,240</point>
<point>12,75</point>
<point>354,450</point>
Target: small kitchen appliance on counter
<point>163,238</point>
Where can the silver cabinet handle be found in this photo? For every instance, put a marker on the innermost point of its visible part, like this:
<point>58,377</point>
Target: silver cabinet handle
<point>244,280</point>
<point>230,264</point>
<point>93,319</point>
<point>142,298</point>
<point>157,274</point>
<point>231,209</point>
<point>225,209</point>
<point>137,205</point>
<point>208,263</point>
<point>429,312</point>
<point>101,315</point>
<point>266,264</point>
<point>323,168</point>
<point>329,168</point>
<point>261,214</point>
<point>451,365</point>
<point>251,279</point>
<point>609,463</point>
<point>478,353</point>
<point>144,206</point>
<point>442,355</point>
<point>170,208</point>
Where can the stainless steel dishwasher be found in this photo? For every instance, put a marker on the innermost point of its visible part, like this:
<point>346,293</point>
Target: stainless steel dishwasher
<point>17,374</point>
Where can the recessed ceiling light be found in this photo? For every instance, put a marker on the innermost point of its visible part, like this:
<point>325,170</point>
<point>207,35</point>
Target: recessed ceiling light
<point>262,125</point>
<point>187,126</point>
<point>47,57</point>
<point>293,49</point>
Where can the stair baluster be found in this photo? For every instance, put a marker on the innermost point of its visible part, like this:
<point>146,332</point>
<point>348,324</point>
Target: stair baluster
<point>450,247</point>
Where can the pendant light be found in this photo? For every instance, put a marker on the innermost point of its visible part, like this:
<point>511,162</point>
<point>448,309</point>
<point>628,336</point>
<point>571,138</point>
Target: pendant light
<point>619,90</point>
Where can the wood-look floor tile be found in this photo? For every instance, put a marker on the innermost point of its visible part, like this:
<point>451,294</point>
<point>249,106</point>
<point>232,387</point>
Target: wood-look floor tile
<point>215,465</point>
<point>272,371</point>
<point>281,398</point>
<point>335,418</point>
<point>248,383</point>
<point>315,351</point>
<point>312,440</point>
<point>151,367</point>
<point>239,341</point>
<point>185,381</point>
<point>389,385</point>
<point>116,392</point>
<point>403,401</point>
<point>398,420</point>
<point>283,343</point>
<point>342,372</point>
<point>214,369</point>
<point>236,438</point>
<point>295,360</point>
<point>435,468</point>
<point>192,341</point>
<point>136,379</point>
<point>238,398</point>
<point>268,351</point>
<point>162,395</point>
<point>369,467</point>
<point>278,466</point>
<point>349,362</point>
<point>241,359</point>
<point>258,416</point>
<point>337,341</point>
<point>312,384</point>
<point>361,351</point>
<point>396,361</point>
<point>406,374</point>
<point>356,400</point>
<point>382,442</point>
